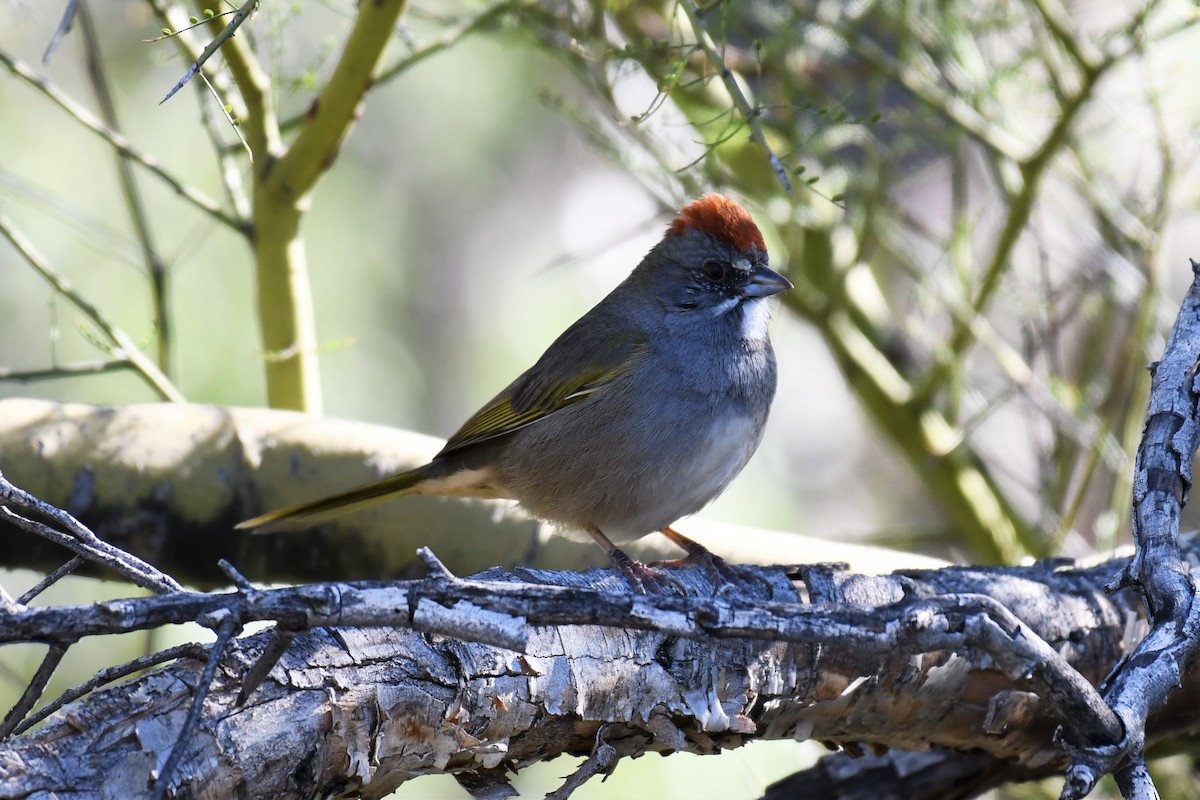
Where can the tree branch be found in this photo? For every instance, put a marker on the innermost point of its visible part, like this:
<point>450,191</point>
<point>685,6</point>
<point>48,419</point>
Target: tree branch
<point>124,347</point>
<point>1142,682</point>
<point>173,499</point>
<point>120,143</point>
<point>370,707</point>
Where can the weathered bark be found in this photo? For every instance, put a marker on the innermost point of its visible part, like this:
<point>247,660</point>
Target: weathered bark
<point>168,482</point>
<point>1146,680</point>
<point>364,709</point>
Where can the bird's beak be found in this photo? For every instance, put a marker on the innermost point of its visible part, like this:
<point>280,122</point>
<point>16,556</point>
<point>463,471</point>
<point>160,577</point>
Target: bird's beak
<point>765,282</point>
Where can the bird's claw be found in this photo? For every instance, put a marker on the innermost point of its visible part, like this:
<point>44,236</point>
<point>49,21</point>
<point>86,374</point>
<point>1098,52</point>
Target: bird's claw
<point>722,574</point>
<point>719,571</point>
<point>646,579</point>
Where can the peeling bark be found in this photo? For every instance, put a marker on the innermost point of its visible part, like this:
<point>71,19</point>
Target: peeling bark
<point>361,710</point>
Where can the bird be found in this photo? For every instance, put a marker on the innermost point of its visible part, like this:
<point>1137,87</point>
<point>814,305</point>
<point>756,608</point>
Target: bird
<point>640,413</point>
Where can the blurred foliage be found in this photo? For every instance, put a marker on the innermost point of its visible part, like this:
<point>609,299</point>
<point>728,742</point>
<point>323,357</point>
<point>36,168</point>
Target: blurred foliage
<point>983,225</point>
<point>984,192</point>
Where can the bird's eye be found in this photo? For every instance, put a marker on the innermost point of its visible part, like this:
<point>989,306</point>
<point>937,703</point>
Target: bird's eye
<point>716,271</point>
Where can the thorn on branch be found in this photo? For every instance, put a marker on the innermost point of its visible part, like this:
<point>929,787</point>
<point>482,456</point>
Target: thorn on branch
<point>34,690</point>
<point>603,759</point>
<point>281,639</point>
<point>226,33</point>
<point>228,629</point>
<point>64,27</point>
<point>54,577</point>
<point>238,579</point>
<point>437,570</point>
<point>488,784</point>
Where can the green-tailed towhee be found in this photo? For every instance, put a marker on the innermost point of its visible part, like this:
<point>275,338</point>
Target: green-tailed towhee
<point>640,413</point>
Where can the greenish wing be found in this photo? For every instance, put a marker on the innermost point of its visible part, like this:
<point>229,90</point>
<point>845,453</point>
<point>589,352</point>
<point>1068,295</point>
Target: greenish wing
<point>553,383</point>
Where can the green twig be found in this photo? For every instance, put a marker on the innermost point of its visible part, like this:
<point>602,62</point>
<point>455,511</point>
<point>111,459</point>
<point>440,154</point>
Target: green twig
<point>118,142</point>
<point>230,167</point>
<point>155,266</point>
<point>125,347</point>
<point>449,39</point>
<point>225,35</point>
<point>748,112</point>
<point>1057,21</point>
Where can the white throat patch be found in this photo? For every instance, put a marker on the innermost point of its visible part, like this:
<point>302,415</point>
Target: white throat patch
<point>755,316</point>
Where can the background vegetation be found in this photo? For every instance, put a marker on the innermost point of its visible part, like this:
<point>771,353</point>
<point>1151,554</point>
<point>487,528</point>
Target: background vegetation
<point>988,229</point>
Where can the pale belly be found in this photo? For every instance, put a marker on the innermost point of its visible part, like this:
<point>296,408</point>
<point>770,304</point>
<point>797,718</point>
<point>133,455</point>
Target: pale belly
<point>630,482</point>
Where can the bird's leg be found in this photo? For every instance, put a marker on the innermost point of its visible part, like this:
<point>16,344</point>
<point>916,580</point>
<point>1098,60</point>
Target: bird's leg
<point>641,578</point>
<point>700,556</point>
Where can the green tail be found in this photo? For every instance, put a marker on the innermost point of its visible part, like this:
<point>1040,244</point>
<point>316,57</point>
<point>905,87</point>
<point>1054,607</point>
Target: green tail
<point>305,514</point>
